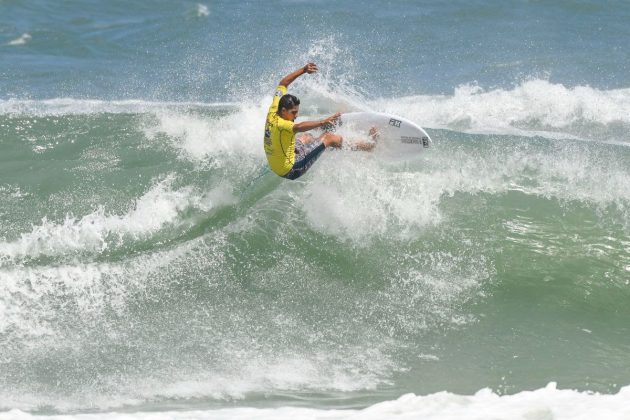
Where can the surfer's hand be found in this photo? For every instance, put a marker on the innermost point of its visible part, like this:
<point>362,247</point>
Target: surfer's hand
<point>310,68</point>
<point>332,119</point>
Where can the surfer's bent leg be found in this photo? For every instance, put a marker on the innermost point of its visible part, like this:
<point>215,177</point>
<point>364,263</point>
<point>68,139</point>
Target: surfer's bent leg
<point>305,156</point>
<point>331,140</point>
<point>306,138</point>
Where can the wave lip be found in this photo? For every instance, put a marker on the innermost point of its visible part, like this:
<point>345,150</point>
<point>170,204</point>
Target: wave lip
<point>535,107</point>
<point>215,141</point>
<point>97,231</point>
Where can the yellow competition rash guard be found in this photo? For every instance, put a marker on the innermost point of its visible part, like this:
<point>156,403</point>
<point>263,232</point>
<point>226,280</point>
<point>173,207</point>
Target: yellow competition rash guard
<point>279,138</point>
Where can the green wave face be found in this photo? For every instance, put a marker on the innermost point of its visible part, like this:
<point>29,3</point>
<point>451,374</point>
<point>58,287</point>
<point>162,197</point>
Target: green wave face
<point>147,257</point>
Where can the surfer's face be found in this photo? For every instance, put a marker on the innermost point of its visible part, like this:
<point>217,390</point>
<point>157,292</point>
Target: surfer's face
<point>290,113</point>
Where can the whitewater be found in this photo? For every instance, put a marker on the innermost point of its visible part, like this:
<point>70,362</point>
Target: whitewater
<point>151,268</point>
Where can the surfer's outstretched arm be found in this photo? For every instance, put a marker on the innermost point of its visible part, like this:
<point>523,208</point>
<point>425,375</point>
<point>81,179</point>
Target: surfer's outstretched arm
<point>310,125</point>
<point>290,78</point>
<point>329,139</point>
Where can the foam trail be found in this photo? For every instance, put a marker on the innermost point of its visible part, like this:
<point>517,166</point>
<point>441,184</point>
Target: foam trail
<point>547,403</point>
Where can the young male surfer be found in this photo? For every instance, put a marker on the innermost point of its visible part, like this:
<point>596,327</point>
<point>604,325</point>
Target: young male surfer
<point>287,156</point>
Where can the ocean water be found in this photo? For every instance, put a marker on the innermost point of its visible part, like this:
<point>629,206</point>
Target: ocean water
<point>149,271</point>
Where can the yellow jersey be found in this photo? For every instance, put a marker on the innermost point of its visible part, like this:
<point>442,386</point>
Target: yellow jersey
<point>279,138</point>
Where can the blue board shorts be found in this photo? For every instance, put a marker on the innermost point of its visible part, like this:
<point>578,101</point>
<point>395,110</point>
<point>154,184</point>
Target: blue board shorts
<point>305,156</point>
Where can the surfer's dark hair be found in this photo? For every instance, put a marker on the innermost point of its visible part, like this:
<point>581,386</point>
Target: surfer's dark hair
<point>288,101</point>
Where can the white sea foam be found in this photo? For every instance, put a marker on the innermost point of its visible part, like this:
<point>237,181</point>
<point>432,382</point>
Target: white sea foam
<point>224,139</point>
<point>23,39</point>
<point>202,10</point>
<point>240,363</point>
<point>12,191</point>
<point>547,403</point>
<point>405,201</point>
<point>22,298</point>
<point>31,296</point>
<point>535,107</point>
<point>332,89</point>
<point>71,106</point>
<point>356,198</point>
<point>255,371</point>
<point>353,196</point>
<point>95,232</point>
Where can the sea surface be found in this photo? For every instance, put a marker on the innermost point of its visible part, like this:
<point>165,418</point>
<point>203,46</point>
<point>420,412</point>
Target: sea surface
<point>151,269</point>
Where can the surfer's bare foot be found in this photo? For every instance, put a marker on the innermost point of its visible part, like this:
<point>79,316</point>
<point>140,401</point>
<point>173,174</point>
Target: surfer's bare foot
<point>374,134</point>
<point>367,146</point>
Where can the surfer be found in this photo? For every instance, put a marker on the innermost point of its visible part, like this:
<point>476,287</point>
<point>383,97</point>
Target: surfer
<point>287,156</point>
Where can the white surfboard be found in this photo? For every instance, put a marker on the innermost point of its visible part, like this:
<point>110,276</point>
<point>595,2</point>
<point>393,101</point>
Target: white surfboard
<point>397,136</point>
